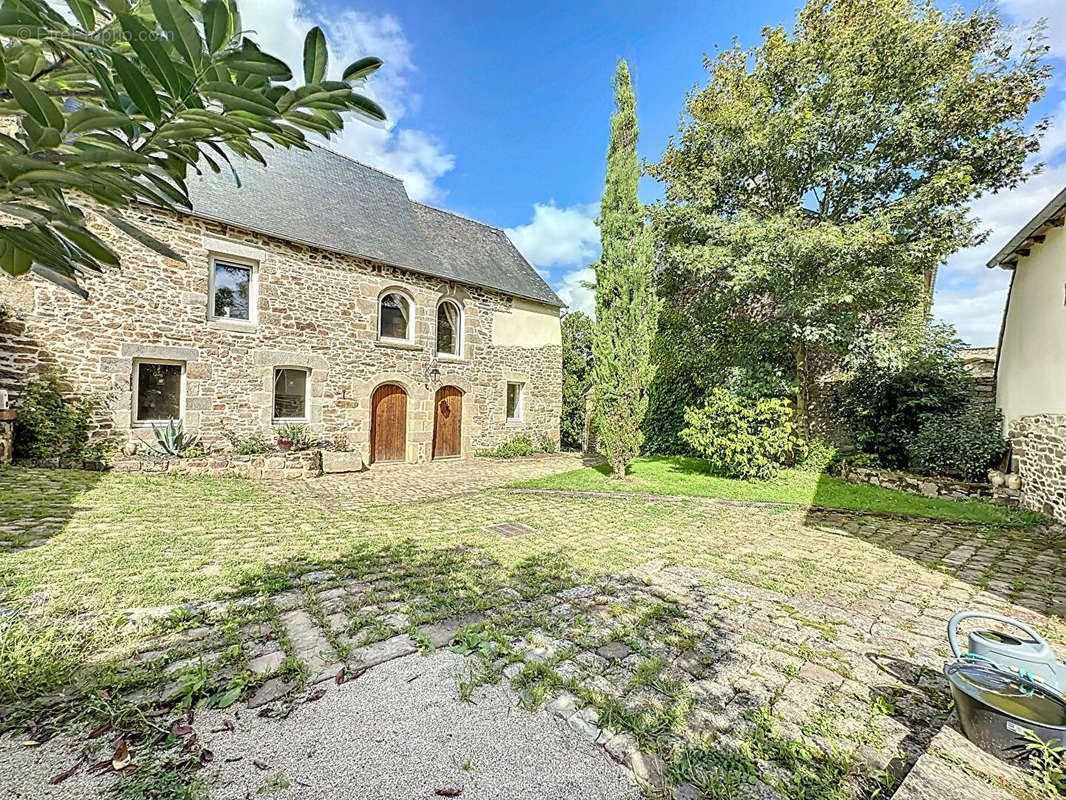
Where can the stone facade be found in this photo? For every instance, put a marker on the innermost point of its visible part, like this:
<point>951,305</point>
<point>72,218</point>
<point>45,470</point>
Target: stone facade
<point>314,309</point>
<point>276,466</point>
<point>1039,443</point>
<point>930,487</point>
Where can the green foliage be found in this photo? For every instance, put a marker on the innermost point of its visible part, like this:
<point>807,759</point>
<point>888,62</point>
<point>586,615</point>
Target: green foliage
<point>577,365</point>
<point>967,443</point>
<point>170,776</point>
<point>51,424</point>
<point>295,433</point>
<point>520,445</point>
<point>1047,763</point>
<point>173,442</point>
<point>36,659</point>
<point>820,455</point>
<point>626,305</point>
<point>819,179</point>
<point>159,88</point>
<point>883,406</point>
<point>741,438</point>
<point>250,445</point>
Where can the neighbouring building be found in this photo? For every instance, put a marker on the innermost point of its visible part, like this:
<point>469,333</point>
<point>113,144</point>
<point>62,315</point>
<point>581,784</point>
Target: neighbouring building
<point>317,293</point>
<point>1031,367</point>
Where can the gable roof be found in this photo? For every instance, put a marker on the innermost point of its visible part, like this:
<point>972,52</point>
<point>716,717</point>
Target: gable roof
<point>324,199</point>
<point>1031,233</point>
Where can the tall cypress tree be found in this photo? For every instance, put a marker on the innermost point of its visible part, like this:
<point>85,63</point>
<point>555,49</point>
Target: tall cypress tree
<point>626,306</point>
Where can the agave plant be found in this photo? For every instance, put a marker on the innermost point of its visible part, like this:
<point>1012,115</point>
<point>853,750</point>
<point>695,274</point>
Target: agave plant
<point>172,440</point>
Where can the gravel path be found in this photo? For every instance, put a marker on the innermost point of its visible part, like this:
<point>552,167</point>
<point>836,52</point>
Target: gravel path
<point>399,732</point>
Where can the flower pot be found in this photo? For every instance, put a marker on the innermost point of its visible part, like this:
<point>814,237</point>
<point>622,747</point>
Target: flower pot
<point>1014,481</point>
<point>8,414</point>
<point>284,445</point>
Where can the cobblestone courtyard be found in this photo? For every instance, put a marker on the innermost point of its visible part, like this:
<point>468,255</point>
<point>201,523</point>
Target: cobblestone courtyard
<point>712,650</point>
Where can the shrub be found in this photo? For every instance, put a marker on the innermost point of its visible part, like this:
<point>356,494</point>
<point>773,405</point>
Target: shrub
<point>520,445</point>
<point>883,406</point>
<point>741,438</point>
<point>966,444</point>
<point>820,455</point>
<point>250,445</point>
<point>49,424</point>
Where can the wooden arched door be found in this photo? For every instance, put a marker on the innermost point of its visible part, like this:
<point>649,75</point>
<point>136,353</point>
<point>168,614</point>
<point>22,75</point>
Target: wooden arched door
<point>388,424</point>
<point>447,422</point>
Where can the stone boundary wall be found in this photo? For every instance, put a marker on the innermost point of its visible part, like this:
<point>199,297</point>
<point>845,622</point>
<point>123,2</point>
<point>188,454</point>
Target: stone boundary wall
<point>302,464</point>
<point>1039,443</point>
<point>930,487</point>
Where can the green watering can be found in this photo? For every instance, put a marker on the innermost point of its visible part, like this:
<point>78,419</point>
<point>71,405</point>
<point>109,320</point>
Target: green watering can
<point>1031,658</point>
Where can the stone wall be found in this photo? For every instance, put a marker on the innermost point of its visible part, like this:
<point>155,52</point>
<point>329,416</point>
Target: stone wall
<point>1039,451</point>
<point>930,487</point>
<point>7,440</point>
<point>315,309</point>
<point>276,466</point>
<point>981,363</point>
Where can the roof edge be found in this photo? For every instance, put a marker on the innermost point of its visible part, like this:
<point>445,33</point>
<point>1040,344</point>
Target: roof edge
<point>1046,215</point>
<point>319,246</point>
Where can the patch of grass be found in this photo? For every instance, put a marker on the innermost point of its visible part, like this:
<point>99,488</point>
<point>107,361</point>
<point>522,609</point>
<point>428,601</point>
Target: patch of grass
<point>691,477</point>
<point>36,659</point>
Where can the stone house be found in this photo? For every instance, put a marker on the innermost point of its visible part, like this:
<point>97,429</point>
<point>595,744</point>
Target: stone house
<point>318,293</point>
<point>1030,371</point>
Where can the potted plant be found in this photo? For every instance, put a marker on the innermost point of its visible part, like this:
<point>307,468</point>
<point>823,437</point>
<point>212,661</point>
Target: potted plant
<point>292,437</point>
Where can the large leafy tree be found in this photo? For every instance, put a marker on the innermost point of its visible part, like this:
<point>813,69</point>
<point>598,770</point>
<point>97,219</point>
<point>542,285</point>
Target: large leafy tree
<point>119,102</point>
<point>626,304</point>
<point>577,366</point>
<point>822,177</point>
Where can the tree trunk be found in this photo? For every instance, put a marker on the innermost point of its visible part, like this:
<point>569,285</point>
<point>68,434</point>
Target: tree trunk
<point>803,392</point>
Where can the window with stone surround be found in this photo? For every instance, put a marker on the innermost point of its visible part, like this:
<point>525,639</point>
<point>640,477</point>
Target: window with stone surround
<point>290,394</point>
<point>514,401</point>
<point>233,290</point>
<point>158,391</point>
<point>449,329</point>
<point>394,317</point>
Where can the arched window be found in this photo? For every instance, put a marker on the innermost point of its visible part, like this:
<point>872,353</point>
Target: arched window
<point>449,329</point>
<point>394,317</point>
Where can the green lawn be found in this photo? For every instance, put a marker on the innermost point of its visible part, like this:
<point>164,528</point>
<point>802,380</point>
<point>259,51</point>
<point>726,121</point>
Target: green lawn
<point>691,477</point>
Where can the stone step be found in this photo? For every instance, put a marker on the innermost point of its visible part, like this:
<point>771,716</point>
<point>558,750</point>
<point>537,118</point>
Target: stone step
<point>938,774</point>
<point>311,645</point>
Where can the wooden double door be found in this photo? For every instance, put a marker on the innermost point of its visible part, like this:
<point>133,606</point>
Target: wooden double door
<point>447,422</point>
<point>388,423</point>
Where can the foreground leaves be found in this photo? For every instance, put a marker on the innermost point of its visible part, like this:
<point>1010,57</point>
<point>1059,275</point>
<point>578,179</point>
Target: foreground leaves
<point>117,107</point>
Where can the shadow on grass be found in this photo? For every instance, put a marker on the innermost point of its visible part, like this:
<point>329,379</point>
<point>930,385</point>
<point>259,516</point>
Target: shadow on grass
<point>35,504</point>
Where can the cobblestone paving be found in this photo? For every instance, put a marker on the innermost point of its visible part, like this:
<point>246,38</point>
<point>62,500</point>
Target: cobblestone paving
<point>721,651</point>
<point>423,483</point>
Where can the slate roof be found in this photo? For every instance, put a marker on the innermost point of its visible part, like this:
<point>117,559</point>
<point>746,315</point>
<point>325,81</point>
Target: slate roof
<point>324,199</point>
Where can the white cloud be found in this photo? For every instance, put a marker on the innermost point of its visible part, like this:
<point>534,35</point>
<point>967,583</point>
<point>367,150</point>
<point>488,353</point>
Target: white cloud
<point>418,157</point>
<point>969,295</point>
<point>1027,12</point>
<point>575,294</point>
<point>559,236</point>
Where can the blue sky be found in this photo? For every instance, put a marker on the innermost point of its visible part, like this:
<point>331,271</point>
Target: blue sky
<point>499,112</point>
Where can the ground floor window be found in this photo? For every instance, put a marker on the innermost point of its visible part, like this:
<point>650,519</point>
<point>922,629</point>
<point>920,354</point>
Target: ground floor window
<point>157,390</point>
<point>514,401</point>
<point>290,394</point>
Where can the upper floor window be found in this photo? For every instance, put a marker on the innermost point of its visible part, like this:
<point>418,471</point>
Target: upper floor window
<point>449,329</point>
<point>394,317</point>
<point>232,290</point>
<point>290,394</point>
<point>157,391</point>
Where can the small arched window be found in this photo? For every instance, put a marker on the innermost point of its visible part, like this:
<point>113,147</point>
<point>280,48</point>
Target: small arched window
<point>449,329</point>
<point>394,317</point>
